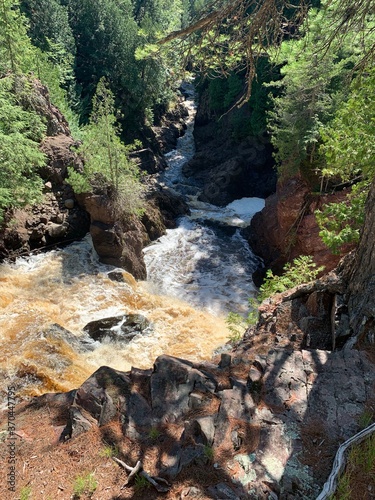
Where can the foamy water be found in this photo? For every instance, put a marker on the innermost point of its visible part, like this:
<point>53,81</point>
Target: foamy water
<point>197,273</point>
<point>204,261</point>
<point>70,287</point>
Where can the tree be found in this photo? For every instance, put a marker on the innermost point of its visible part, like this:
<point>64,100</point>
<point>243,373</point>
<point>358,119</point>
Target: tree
<point>106,163</point>
<point>20,134</point>
<point>106,38</point>
<point>350,159</point>
<point>49,30</point>
<point>312,89</point>
<point>231,35</point>
<point>16,51</point>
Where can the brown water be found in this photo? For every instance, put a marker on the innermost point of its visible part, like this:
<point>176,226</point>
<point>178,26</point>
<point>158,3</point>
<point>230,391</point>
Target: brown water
<point>70,287</point>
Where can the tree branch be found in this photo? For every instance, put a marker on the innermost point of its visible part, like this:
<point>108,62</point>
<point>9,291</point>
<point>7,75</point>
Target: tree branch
<point>138,469</point>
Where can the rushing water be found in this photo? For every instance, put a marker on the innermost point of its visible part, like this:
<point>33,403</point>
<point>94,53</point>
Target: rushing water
<point>196,274</point>
<point>205,261</point>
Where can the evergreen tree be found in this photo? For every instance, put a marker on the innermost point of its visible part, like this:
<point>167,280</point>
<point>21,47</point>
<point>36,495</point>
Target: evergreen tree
<point>20,134</point>
<point>16,51</point>
<point>313,89</point>
<point>350,158</point>
<point>106,38</point>
<point>107,166</point>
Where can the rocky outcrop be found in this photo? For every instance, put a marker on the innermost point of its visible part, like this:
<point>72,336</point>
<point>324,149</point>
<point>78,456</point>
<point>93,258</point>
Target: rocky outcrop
<point>64,217</point>
<point>267,422</point>
<point>169,126</point>
<point>119,241</point>
<point>287,227</point>
<point>58,218</point>
<point>229,168</point>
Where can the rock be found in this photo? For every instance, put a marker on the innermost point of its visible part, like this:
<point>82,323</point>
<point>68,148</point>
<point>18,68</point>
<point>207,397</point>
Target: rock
<point>207,429</point>
<point>223,492</point>
<point>120,242</point>
<point>288,222</point>
<point>117,329</point>
<point>56,230</point>
<point>172,381</point>
<point>60,152</point>
<point>225,360</point>
<point>69,203</point>
<point>255,375</point>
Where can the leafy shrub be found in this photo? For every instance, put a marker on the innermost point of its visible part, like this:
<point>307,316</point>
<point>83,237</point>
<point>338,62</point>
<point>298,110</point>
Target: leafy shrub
<point>302,270</point>
<point>340,223</point>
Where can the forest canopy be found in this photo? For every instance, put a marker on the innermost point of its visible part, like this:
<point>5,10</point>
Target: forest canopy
<point>304,67</point>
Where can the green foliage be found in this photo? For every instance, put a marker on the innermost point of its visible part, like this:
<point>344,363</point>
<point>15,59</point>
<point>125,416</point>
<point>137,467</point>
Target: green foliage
<point>84,485</point>
<point>350,157</point>
<point>106,157</point>
<point>366,418</point>
<point>313,89</point>
<point>248,120</point>
<point>25,493</point>
<point>49,23</point>
<point>237,325</point>
<point>154,433</point>
<point>349,139</point>
<point>344,491</point>
<point>340,223</point>
<point>16,51</point>
<point>141,483</point>
<point>209,452</point>
<point>109,451</point>
<point>361,458</point>
<point>302,270</point>
<point>20,134</point>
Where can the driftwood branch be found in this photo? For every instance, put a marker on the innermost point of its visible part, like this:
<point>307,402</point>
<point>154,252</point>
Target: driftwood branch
<point>138,469</point>
<point>329,487</point>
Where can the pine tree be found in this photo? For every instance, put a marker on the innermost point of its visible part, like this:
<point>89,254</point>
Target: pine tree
<point>16,51</point>
<point>107,166</point>
<point>20,134</point>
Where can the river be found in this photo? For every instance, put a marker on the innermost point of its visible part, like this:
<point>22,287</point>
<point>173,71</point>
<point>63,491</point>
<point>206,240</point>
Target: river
<point>197,273</point>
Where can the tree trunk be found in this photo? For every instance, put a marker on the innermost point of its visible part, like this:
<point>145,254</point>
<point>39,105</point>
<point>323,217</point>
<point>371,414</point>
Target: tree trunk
<point>361,288</point>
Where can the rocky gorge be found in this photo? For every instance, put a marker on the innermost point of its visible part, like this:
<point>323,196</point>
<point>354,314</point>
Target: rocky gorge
<point>262,420</point>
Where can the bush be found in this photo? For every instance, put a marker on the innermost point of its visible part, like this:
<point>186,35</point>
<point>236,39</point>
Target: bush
<point>302,270</point>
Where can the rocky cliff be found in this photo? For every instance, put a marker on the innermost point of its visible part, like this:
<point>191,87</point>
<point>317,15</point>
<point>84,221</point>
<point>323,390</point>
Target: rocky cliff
<point>287,226</point>
<point>228,167</point>
<point>64,217</point>
<point>59,218</point>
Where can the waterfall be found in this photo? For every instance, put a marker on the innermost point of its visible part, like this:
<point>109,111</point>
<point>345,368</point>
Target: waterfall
<point>197,273</point>
<point>204,261</point>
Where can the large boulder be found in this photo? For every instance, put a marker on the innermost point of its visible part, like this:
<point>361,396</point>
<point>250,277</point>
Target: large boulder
<point>117,328</point>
